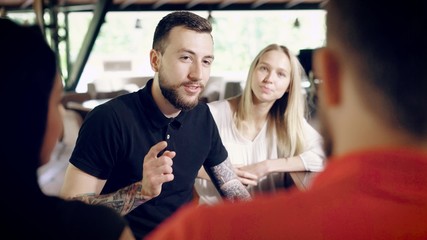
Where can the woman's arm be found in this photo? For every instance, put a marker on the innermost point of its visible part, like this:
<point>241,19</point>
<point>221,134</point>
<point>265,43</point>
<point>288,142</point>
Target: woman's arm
<point>314,155</point>
<point>245,177</point>
<point>312,159</point>
<point>268,166</point>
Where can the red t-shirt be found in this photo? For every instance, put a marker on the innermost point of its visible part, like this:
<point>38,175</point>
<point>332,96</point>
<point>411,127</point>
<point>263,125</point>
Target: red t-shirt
<point>376,194</point>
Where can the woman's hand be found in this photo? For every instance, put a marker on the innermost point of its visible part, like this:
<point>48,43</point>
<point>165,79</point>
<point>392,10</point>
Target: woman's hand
<point>259,169</point>
<point>247,178</point>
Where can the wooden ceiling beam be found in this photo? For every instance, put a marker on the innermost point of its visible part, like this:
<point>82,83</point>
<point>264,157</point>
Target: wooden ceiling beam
<point>259,3</point>
<point>226,3</point>
<point>26,4</point>
<point>293,3</point>
<point>160,3</point>
<point>127,3</point>
<point>193,3</point>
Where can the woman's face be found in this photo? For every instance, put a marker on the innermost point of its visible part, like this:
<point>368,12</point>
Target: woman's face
<point>271,76</point>
<point>54,125</point>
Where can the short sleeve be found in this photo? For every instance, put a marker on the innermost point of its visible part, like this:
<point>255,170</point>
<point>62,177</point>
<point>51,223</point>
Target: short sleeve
<point>97,143</point>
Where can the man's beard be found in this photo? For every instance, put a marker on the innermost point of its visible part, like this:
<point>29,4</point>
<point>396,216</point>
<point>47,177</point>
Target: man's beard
<point>171,93</point>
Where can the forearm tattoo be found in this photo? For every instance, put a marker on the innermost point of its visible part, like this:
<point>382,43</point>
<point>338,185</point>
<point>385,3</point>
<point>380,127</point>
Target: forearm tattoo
<point>226,180</point>
<point>123,201</point>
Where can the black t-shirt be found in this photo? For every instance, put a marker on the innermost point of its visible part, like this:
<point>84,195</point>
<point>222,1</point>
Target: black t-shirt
<point>116,136</point>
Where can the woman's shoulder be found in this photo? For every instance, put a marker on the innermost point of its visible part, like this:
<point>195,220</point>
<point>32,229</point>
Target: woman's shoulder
<point>223,104</point>
<point>217,105</point>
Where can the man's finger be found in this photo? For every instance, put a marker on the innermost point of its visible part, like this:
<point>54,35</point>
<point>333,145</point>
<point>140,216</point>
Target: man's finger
<point>170,154</point>
<point>157,148</point>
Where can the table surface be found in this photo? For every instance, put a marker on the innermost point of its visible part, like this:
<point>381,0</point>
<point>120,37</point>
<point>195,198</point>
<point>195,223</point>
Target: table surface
<point>86,105</point>
<point>94,102</point>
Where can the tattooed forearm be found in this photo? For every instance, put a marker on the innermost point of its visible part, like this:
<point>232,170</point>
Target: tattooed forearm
<point>223,172</point>
<point>234,189</point>
<point>123,201</point>
<point>228,183</point>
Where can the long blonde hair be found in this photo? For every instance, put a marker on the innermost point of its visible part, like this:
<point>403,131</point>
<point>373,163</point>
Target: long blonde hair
<point>286,116</point>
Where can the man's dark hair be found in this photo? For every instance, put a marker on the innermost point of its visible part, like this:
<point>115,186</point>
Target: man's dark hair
<point>386,44</point>
<point>186,19</point>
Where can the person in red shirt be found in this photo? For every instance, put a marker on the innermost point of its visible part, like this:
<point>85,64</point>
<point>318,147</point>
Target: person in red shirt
<point>372,106</point>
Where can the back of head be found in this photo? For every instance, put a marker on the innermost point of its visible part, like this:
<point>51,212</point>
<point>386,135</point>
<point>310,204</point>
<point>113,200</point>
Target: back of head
<point>27,69</point>
<point>185,19</point>
<point>384,44</point>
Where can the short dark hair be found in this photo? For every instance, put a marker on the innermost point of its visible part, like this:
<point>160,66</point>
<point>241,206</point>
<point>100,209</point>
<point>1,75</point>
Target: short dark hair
<point>386,45</point>
<point>186,19</point>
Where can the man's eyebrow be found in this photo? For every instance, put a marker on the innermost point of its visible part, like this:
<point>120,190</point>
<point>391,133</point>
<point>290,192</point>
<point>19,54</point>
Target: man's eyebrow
<point>210,56</point>
<point>193,53</point>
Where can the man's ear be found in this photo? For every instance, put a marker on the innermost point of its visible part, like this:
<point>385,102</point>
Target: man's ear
<point>327,68</point>
<point>155,60</point>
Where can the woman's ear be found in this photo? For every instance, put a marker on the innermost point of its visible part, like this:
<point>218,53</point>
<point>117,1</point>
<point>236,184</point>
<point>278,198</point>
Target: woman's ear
<point>155,57</point>
<point>326,68</point>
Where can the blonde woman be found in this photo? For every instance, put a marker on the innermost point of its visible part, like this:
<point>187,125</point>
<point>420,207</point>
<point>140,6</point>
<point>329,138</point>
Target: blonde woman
<point>264,129</point>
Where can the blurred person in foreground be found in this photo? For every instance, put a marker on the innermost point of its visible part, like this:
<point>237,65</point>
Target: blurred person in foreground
<point>374,114</point>
<point>32,124</point>
<point>264,129</point>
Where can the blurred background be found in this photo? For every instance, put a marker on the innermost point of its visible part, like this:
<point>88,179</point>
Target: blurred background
<point>103,48</point>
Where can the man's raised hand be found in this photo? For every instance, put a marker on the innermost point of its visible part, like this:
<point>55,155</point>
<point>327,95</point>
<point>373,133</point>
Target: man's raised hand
<point>157,169</point>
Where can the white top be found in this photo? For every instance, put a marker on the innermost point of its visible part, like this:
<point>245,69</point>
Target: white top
<point>242,151</point>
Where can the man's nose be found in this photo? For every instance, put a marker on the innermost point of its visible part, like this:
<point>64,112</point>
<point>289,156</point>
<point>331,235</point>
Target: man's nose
<point>196,72</point>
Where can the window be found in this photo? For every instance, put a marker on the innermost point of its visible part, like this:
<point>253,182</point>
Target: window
<point>238,37</point>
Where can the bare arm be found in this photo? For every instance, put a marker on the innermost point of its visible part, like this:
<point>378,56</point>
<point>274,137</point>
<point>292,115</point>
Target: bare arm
<point>156,171</point>
<point>312,159</point>
<point>81,186</point>
<point>123,201</point>
<point>227,182</point>
<point>245,177</point>
<point>266,167</point>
